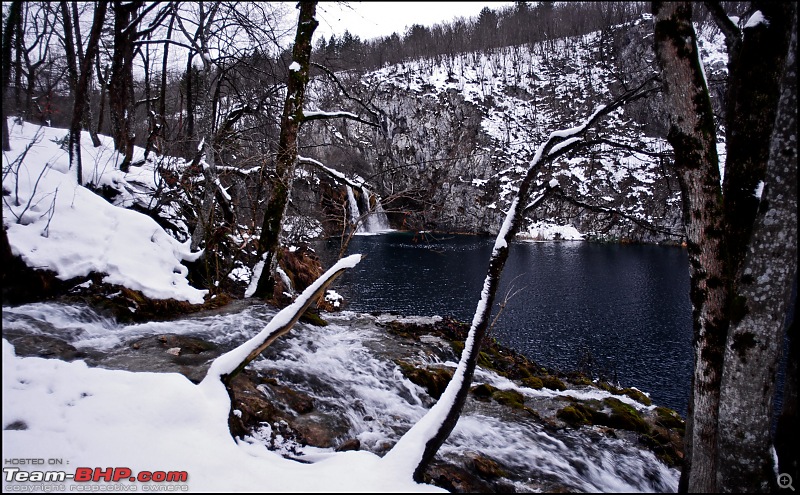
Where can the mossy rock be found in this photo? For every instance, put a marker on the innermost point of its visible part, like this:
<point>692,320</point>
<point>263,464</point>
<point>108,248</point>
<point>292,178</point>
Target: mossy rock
<point>524,372</point>
<point>662,447</point>
<point>458,346</point>
<point>625,417</point>
<point>433,380</point>
<point>611,389</point>
<point>483,391</point>
<point>510,398</point>
<point>313,318</point>
<point>553,383</point>
<point>532,382</point>
<point>577,378</point>
<point>575,415</point>
<point>638,396</point>
<point>488,468</point>
<point>669,418</point>
<point>484,361</point>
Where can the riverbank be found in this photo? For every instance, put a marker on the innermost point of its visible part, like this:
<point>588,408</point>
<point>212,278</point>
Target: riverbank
<point>361,381</point>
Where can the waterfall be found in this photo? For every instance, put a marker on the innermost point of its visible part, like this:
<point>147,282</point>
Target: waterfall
<point>376,221</point>
<point>353,209</point>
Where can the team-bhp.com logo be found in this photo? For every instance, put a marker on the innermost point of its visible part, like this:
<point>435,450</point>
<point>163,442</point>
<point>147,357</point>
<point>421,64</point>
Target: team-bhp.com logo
<point>113,476</point>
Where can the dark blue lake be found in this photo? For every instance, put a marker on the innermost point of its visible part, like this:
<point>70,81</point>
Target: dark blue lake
<point>619,311</point>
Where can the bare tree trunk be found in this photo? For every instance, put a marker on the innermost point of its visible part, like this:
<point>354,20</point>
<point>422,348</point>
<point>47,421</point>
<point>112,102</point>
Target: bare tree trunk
<point>269,242</point>
<point>693,137</point>
<point>87,114</point>
<point>742,247</point>
<point>14,15</point>
<point>160,119</point>
<point>756,336</point>
<point>788,428</point>
<point>120,87</point>
<point>82,88</point>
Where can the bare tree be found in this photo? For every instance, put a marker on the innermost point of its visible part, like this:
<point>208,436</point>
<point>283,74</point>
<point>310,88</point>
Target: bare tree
<point>81,83</point>
<point>14,16</point>
<point>733,239</point>
<point>291,118</point>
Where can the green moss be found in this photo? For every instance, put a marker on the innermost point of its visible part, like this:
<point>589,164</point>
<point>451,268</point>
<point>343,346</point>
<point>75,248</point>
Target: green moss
<point>532,382</point>
<point>524,372</point>
<point>668,418</point>
<point>611,389</point>
<point>485,361</point>
<point>575,415</point>
<point>580,379</point>
<point>553,383</point>
<point>433,380</point>
<point>625,417</point>
<point>458,346</point>
<point>638,396</point>
<point>662,447</point>
<point>483,391</point>
<point>510,398</point>
<point>313,318</point>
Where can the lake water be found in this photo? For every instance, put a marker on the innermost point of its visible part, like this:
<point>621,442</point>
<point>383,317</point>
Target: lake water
<point>621,312</point>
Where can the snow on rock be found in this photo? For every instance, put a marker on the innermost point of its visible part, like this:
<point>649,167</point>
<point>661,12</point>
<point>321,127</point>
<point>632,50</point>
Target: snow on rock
<point>166,423</point>
<point>55,224</point>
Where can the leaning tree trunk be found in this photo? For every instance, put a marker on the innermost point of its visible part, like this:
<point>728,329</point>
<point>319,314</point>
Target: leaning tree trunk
<point>269,242</point>
<point>693,137</point>
<point>416,449</point>
<point>764,285</point>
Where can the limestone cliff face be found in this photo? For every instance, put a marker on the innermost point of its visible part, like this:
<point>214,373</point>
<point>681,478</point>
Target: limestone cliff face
<point>456,133</point>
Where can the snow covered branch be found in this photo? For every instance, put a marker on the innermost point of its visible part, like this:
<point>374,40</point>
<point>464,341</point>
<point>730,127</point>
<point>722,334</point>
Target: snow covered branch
<point>344,91</point>
<point>309,115</point>
<point>228,365</point>
<point>331,172</point>
<point>417,448</point>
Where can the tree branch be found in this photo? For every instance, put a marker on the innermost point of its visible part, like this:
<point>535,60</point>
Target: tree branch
<point>227,366</point>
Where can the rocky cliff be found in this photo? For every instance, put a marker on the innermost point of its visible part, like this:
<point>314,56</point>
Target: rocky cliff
<point>455,133</point>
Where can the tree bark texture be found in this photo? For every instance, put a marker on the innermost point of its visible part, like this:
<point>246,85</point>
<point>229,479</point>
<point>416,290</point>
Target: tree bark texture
<point>292,117</point>
<point>82,88</point>
<point>754,76</point>
<point>120,86</point>
<point>14,16</point>
<point>693,137</point>
<point>763,291</point>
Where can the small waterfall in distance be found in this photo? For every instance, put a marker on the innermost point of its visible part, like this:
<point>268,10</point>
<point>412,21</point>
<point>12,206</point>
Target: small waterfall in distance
<point>376,221</point>
<point>353,209</point>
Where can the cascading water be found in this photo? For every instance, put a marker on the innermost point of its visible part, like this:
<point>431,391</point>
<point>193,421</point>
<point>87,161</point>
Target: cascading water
<point>376,221</point>
<point>349,369</point>
<point>354,214</point>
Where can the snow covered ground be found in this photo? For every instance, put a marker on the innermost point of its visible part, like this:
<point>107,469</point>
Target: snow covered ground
<point>53,223</point>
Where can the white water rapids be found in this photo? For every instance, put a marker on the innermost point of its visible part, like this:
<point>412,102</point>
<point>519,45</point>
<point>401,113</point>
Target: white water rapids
<point>348,367</point>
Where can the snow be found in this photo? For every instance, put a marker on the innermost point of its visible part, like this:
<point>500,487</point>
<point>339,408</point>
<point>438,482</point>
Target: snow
<point>322,114</point>
<point>756,19</point>
<point>55,224</point>
<point>226,363</point>
<point>294,67</point>
<point>84,416</point>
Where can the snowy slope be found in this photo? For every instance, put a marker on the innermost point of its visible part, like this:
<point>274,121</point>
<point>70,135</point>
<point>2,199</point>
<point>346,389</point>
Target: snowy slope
<point>459,130</point>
